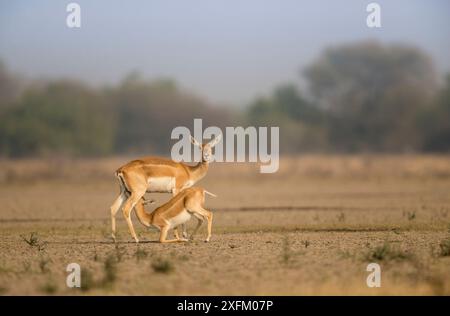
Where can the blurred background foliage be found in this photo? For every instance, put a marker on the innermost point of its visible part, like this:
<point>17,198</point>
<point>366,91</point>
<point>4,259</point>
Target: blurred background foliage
<point>358,97</point>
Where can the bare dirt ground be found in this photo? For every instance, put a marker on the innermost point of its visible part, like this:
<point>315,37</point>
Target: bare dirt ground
<point>312,228</point>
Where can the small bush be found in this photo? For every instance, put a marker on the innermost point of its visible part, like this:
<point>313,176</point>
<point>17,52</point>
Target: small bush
<point>287,251</point>
<point>443,212</point>
<point>120,253</point>
<point>95,257</point>
<point>140,254</point>
<point>43,265</point>
<point>49,287</point>
<point>33,241</point>
<point>26,266</point>
<point>386,252</point>
<point>162,266</point>
<point>87,280</point>
<point>3,290</point>
<point>445,248</point>
<point>110,270</point>
<point>409,215</point>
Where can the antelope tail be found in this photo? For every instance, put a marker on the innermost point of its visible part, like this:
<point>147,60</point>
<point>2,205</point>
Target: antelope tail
<point>212,194</point>
<point>123,186</point>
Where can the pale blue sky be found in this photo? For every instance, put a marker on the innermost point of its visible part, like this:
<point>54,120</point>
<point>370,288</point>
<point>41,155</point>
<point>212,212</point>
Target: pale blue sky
<point>227,51</point>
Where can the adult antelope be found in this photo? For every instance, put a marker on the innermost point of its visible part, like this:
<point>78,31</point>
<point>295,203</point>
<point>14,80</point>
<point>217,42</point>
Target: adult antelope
<point>178,211</point>
<point>154,174</point>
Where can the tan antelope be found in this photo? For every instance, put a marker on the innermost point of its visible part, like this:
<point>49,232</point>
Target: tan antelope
<point>154,174</point>
<point>178,211</point>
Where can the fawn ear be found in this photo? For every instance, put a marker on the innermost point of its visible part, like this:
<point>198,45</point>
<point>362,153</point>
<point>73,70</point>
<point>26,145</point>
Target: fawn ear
<point>195,142</point>
<point>215,141</point>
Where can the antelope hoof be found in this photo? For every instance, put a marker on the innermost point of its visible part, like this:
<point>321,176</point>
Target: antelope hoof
<point>207,239</point>
<point>183,239</point>
<point>137,240</point>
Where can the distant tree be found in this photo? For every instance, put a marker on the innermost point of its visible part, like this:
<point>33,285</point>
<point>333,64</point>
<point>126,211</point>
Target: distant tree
<point>63,117</point>
<point>147,112</point>
<point>9,87</point>
<point>435,122</point>
<point>67,117</point>
<point>301,123</point>
<point>289,101</point>
<point>372,93</point>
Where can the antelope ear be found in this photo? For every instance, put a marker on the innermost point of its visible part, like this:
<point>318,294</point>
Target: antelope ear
<point>195,142</point>
<point>215,141</point>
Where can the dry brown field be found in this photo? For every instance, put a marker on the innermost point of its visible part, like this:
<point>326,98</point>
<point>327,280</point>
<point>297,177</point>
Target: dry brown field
<point>310,229</point>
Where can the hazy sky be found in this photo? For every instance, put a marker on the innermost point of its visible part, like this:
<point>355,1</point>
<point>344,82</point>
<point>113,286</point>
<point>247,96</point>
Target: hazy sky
<point>228,51</point>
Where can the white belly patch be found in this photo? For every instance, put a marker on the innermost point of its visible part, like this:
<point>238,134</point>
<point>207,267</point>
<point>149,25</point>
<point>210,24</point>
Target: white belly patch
<point>181,218</point>
<point>161,184</point>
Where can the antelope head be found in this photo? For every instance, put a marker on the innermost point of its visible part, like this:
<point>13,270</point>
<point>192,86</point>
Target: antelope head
<point>206,148</point>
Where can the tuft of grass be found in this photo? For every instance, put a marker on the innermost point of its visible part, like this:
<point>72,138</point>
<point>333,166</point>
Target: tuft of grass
<point>140,254</point>
<point>306,243</point>
<point>410,215</point>
<point>110,270</point>
<point>109,276</point>
<point>436,283</point>
<point>87,280</point>
<point>3,290</point>
<point>33,241</point>
<point>4,269</point>
<point>184,257</point>
<point>287,251</point>
<point>341,217</point>
<point>443,212</point>
<point>386,252</point>
<point>345,254</point>
<point>26,266</point>
<point>43,264</point>
<point>119,253</point>
<point>395,231</point>
<point>444,247</point>
<point>95,257</point>
<point>49,287</point>
<point>160,265</point>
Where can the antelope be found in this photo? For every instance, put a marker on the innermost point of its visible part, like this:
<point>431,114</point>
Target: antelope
<point>178,211</point>
<point>154,174</point>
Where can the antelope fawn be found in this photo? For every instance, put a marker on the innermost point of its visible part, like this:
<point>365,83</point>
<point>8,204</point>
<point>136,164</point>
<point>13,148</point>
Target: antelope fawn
<point>178,211</point>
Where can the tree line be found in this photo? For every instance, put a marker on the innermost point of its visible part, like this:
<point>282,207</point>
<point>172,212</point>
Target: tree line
<point>359,97</point>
